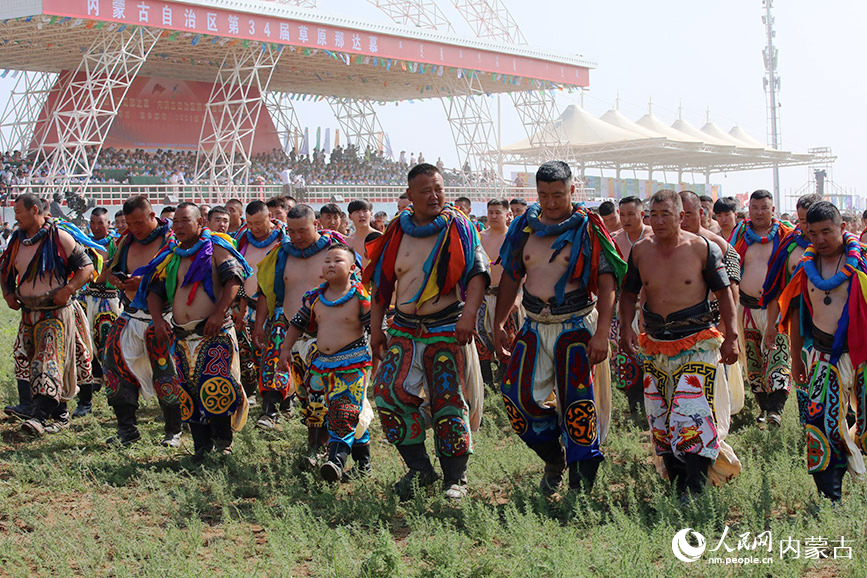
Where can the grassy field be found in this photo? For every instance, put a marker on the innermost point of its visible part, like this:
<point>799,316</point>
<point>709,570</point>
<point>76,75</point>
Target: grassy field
<point>70,506</point>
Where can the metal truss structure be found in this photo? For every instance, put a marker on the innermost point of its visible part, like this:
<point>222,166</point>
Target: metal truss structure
<point>359,123</point>
<point>419,13</point>
<point>285,120</point>
<point>88,103</point>
<point>18,123</point>
<point>464,98</point>
<point>491,19</point>
<point>231,115</point>
<point>299,3</point>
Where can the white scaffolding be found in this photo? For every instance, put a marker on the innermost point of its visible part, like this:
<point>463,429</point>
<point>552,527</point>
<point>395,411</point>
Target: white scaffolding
<point>26,102</point>
<point>88,103</point>
<point>282,112</point>
<point>231,116</point>
<point>359,123</point>
<point>463,96</point>
<point>491,19</point>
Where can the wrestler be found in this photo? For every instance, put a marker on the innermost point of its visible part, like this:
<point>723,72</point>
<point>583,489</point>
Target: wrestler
<point>101,305</point>
<point>825,304</point>
<point>338,313</point>
<point>431,260</point>
<point>570,268</point>
<point>132,353</point>
<point>260,235</point>
<point>768,372</point>
<point>42,268</point>
<point>235,209</point>
<point>198,279</point>
<point>685,390</point>
<point>629,370</point>
<point>492,239</point>
<point>218,220</point>
<point>291,269</point>
<point>725,210</point>
<point>360,213</point>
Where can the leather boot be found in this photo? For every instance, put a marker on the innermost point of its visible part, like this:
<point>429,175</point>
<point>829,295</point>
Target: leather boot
<point>676,472</point>
<point>332,470</point>
<point>127,430</point>
<point>582,474</point>
<point>554,456</point>
<point>172,428</point>
<point>24,409</point>
<point>696,472</point>
<point>85,400</point>
<point>420,470</point>
<point>202,442</point>
<point>829,482</point>
<point>487,374</point>
<point>270,415</point>
<point>43,410</point>
<point>361,467</point>
<point>454,476</point>
<point>317,440</point>
<point>222,434</point>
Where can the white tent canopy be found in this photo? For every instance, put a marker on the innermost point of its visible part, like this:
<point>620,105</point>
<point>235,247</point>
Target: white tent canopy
<point>612,141</point>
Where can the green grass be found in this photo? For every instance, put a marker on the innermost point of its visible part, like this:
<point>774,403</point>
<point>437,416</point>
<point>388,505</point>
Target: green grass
<point>70,506</point>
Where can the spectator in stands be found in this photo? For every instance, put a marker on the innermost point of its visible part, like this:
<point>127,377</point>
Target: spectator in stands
<point>329,217</point>
<point>420,157</point>
<point>236,215</point>
<point>440,164</point>
<point>517,206</point>
<point>286,180</point>
<point>609,216</point>
<point>168,212</point>
<point>218,220</point>
<point>380,221</point>
<point>278,209</point>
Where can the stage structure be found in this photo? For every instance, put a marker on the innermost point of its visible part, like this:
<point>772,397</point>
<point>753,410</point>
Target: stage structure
<point>251,52</point>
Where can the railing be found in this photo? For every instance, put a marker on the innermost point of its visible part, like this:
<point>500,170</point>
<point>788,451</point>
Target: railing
<point>107,194</point>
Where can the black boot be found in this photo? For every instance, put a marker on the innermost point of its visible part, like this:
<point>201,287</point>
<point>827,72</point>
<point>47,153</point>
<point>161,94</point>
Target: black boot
<point>172,428</point>
<point>420,470</point>
<point>676,472</point>
<point>361,468</point>
<point>24,409</point>
<point>317,441</point>
<point>127,430</point>
<point>488,374</point>
<point>696,473</point>
<point>43,410</point>
<point>454,476</point>
<point>582,474</point>
<point>222,434</point>
<point>85,400</point>
<point>554,456</point>
<point>829,482</point>
<point>332,470</point>
<point>270,414</point>
<point>202,442</point>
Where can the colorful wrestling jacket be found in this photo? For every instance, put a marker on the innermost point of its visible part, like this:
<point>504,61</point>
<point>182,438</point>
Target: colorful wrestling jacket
<point>583,231</point>
<point>852,326</point>
<point>456,258</point>
<point>270,270</point>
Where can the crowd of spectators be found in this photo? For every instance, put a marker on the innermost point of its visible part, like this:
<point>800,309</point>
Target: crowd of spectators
<point>342,166</point>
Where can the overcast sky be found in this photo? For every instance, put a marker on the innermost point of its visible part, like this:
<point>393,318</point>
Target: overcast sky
<point>701,53</point>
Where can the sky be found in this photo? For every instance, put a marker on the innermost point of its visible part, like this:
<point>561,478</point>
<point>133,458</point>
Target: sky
<point>700,54</point>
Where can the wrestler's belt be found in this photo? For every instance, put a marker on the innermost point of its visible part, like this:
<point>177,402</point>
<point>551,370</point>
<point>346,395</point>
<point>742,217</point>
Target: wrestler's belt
<point>100,291</point>
<point>493,291</point>
<point>824,342</point>
<point>199,329</point>
<point>679,324</point>
<point>447,315</point>
<point>748,301</point>
<point>42,302</point>
<point>573,302</point>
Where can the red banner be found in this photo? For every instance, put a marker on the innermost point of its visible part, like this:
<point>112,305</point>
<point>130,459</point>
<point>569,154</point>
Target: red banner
<point>218,22</point>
